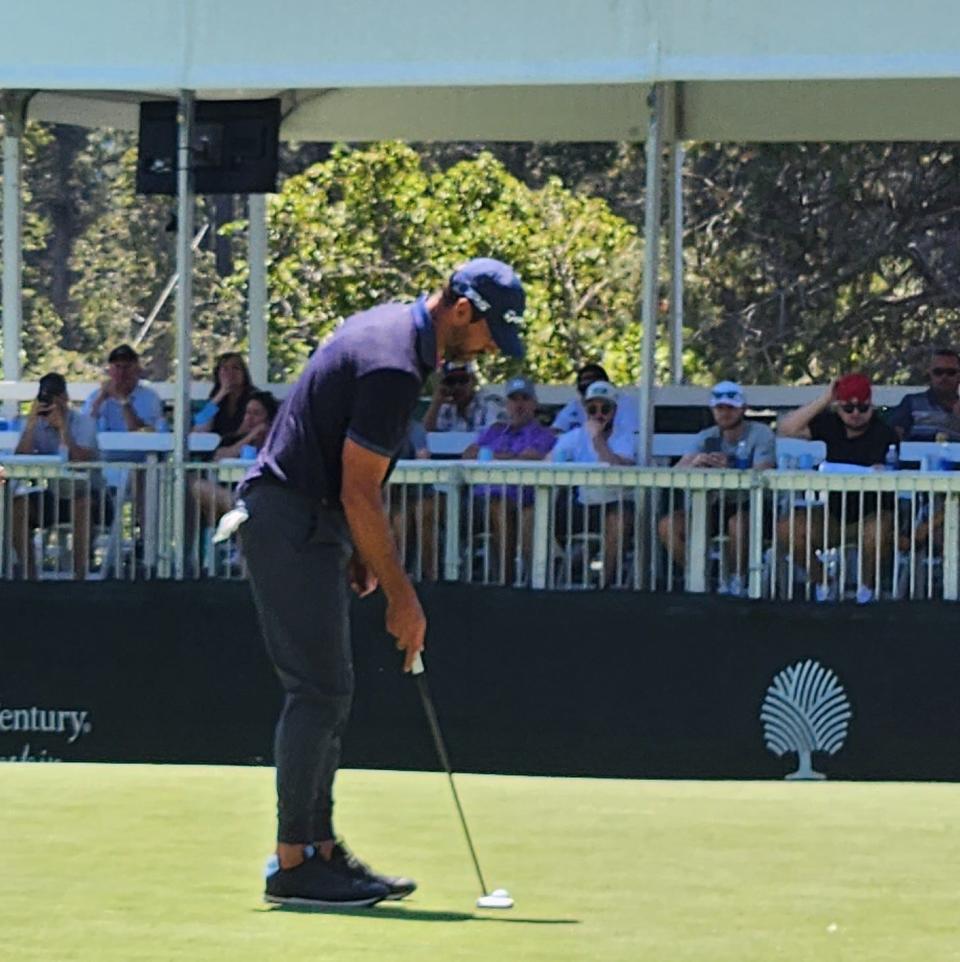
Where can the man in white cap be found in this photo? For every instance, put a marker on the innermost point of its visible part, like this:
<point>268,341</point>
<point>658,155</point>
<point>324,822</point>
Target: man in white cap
<point>732,442</point>
<point>599,508</point>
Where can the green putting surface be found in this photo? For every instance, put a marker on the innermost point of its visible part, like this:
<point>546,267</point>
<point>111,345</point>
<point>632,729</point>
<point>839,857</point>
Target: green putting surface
<point>124,863</point>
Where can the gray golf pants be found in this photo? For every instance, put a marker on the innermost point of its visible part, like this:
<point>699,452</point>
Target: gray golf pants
<point>297,552</point>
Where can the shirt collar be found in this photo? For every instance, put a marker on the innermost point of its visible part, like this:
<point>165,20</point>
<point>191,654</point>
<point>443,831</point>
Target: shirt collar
<point>426,336</point>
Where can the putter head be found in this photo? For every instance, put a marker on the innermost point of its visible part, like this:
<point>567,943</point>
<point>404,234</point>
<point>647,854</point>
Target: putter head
<point>497,899</point>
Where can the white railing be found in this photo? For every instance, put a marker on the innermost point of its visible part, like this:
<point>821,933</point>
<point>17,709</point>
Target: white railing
<point>785,534</point>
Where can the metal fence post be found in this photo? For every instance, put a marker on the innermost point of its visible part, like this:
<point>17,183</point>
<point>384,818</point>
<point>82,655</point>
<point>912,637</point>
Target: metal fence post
<point>541,536</point>
<point>755,556</point>
<point>451,544</point>
<point>951,531</point>
<point>697,542</point>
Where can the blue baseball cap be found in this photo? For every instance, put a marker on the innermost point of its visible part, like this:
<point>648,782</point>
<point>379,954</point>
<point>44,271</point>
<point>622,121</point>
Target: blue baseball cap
<point>496,294</point>
<point>521,385</point>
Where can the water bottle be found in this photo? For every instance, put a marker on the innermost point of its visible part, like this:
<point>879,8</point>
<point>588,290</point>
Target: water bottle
<point>944,461</point>
<point>485,454</point>
<point>892,460</point>
<point>741,458</point>
<point>248,452</point>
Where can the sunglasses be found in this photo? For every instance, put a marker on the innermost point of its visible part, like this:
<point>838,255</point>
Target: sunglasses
<point>726,395</point>
<point>599,409</point>
<point>850,408</point>
<point>945,371</point>
<point>453,380</point>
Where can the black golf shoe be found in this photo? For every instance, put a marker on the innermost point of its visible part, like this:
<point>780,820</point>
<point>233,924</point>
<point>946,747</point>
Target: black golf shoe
<point>317,882</point>
<point>345,862</point>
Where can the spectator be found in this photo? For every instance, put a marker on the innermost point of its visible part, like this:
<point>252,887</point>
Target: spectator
<point>936,411</point>
<point>227,406</point>
<point>122,403</point>
<point>598,442</point>
<point>520,438</point>
<point>731,439</point>
<point>456,405</point>
<point>215,499</point>
<point>572,414</point>
<point>413,509</point>
<point>844,418</point>
<point>52,428</point>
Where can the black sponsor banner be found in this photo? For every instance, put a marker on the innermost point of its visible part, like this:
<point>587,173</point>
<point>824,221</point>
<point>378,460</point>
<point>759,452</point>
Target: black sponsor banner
<point>614,684</point>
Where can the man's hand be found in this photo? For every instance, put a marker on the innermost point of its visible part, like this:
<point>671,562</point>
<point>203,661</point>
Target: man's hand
<point>407,623</point>
<point>594,428</point>
<point>56,416</point>
<point>363,581</point>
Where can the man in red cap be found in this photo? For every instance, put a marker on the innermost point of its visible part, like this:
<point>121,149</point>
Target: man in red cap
<point>843,417</point>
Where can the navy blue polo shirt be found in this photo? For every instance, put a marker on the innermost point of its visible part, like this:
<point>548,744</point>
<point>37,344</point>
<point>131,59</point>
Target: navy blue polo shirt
<point>362,384</point>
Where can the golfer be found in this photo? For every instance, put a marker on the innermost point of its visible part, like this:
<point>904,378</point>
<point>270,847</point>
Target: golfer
<point>316,524</point>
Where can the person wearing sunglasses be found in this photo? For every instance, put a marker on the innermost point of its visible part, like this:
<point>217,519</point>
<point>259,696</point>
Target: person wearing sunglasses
<point>573,414</point>
<point>598,509</point>
<point>456,405</point>
<point>936,411</point>
<point>732,439</point>
<point>843,417</point>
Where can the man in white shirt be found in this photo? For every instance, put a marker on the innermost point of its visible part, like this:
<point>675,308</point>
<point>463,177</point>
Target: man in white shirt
<point>598,509</point>
<point>53,428</point>
<point>572,414</point>
<point>124,404</point>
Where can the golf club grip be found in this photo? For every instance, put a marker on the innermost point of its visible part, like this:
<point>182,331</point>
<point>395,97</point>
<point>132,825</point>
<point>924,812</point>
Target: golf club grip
<point>418,668</point>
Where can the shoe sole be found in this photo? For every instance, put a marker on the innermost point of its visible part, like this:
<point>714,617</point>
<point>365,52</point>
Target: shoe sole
<point>318,903</point>
<point>396,896</point>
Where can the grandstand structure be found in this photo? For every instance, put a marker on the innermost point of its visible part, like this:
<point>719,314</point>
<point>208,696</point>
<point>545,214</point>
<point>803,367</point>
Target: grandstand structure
<point>659,71</point>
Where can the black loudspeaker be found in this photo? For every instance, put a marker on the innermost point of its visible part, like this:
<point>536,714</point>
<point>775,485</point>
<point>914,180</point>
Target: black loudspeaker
<point>234,147</point>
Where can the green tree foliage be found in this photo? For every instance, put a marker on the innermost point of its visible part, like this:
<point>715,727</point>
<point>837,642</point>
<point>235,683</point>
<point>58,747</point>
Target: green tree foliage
<point>373,223</point>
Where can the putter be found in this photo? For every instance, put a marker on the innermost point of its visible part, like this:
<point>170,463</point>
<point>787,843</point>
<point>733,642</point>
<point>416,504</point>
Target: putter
<point>498,898</point>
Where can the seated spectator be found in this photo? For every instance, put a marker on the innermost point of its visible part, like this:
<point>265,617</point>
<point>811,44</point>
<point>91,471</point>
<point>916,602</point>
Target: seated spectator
<point>520,438</point>
<point>215,499</point>
<point>52,428</point>
<point>572,414</point>
<point>124,404</point>
<point>844,418</point>
<point>456,405</point>
<point>413,510</point>
<point>227,406</point>
<point>597,442</point>
<point>936,411</point>
<point>731,439</point>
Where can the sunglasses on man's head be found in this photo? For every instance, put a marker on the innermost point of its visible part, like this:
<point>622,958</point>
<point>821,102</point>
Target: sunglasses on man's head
<point>945,371</point>
<point>850,408</point>
<point>599,408</point>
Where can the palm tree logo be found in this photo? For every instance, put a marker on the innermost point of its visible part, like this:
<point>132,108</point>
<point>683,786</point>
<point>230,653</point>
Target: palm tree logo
<point>805,710</point>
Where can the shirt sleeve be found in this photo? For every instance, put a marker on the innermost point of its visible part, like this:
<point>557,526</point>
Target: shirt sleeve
<point>84,430</point>
<point>382,407</point>
<point>148,406</point>
<point>488,436</point>
<point>565,448</point>
<point>902,416</point>
<point>765,446</point>
<point>544,441</point>
<point>819,427</point>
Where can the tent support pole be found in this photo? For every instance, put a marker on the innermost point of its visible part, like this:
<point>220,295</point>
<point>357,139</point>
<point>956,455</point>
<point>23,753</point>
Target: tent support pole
<point>676,262</point>
<point>13,106</point>
<point>257,294</point>
<point>181,410</point>
<point>651,272</point>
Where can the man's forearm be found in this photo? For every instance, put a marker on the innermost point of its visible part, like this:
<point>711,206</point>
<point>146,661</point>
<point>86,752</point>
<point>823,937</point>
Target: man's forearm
<point>373,539</point>
<point>797,422</point>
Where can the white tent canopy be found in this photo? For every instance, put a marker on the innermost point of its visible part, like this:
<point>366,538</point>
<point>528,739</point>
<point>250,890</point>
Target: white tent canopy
<point>502,70</point>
